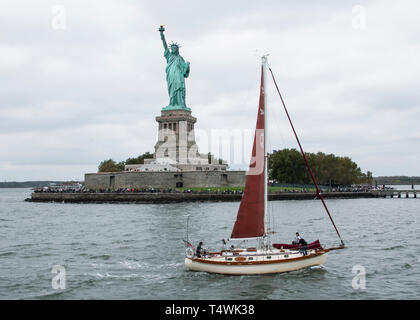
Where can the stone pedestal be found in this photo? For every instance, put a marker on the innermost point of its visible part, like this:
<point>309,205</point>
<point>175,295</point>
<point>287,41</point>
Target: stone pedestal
<point>176,147</point>
<point>176,140</point>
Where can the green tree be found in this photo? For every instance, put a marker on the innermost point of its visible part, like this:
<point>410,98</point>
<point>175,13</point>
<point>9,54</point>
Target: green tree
<point>288,166</point>
<point>139,159</point>
<point>110,166</point>
<point>369,177</point>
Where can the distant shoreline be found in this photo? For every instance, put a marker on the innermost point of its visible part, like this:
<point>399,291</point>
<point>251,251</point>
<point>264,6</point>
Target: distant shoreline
<point>28,184</point>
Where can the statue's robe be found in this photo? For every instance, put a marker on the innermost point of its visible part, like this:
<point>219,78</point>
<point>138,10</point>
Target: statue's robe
<point>176,70</point>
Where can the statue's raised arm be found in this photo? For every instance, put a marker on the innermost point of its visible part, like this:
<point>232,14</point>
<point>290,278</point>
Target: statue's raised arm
<point>162,36</point>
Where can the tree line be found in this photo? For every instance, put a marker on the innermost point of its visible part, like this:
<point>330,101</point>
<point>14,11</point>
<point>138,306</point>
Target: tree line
<point>112,166</point>
<point>288,166</point>
<point>404,180</point>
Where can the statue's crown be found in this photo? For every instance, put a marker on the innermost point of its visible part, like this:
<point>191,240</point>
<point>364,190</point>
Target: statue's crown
<point>175,44</point>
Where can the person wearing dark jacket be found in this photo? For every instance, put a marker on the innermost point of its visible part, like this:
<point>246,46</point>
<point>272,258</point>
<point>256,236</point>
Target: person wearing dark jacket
<point>198,251</point>
<point>304,245</point>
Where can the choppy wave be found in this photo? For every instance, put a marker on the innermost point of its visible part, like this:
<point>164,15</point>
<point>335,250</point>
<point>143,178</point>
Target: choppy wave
<point>7,253</point>
<point>132,264</point>
<point>102,256</point>
<point>394,247</point>
<point>116,276</point>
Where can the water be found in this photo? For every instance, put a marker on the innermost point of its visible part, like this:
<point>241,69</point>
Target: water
<point>402,186</point>
<point>135,251</point>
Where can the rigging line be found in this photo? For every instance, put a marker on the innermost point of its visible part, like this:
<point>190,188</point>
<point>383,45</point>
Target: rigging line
<point>318,192</point>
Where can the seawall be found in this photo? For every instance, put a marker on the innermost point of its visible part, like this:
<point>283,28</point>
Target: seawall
<point>164,179</point>
<point>180,197</point>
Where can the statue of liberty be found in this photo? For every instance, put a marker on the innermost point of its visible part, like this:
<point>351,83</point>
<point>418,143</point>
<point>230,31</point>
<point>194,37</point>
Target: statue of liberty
<point>176,70</point>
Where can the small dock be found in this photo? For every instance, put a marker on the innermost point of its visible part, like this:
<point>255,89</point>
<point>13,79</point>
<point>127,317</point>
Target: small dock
<point>399,193</point>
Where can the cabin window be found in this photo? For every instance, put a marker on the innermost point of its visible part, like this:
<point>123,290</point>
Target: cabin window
<point>286,256</point>
<point>229,259</point>
<point>268,257</point>
<point>250,258</point>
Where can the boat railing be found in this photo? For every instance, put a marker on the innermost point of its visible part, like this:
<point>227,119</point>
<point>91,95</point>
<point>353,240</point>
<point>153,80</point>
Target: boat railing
<point>243,253</point>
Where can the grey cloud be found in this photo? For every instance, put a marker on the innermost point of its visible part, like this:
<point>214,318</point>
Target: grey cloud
<point>72,98</point>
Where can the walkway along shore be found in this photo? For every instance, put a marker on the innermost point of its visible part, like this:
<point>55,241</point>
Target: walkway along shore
<point>157,197</point>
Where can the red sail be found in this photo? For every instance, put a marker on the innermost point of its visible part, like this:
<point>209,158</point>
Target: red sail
<point>250,220</point>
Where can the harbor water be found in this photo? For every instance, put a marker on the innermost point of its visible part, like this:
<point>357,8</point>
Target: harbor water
<point>135,251</point>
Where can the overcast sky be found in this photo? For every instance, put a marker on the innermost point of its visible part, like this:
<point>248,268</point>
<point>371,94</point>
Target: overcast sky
<point>82,81</point>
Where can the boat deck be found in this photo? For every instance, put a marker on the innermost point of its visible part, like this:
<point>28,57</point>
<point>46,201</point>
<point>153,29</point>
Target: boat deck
<point>253,256</point>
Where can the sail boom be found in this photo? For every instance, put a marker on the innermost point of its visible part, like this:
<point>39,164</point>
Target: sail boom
<point>244,239</point>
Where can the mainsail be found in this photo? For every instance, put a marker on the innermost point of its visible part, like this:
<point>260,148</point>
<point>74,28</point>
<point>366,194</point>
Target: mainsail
<point>250,219</point>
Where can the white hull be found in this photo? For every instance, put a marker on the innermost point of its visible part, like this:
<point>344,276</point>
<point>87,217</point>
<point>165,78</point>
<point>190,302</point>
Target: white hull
<point>278,266</point>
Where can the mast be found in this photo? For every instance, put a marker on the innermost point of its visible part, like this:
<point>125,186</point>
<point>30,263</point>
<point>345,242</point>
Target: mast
<point>264,69</point>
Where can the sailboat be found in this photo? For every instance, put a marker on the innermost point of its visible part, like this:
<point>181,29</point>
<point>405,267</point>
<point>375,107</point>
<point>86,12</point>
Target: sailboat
<point>265,257</point>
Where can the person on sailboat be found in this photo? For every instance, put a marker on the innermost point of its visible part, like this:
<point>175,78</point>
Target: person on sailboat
<point>199,249</point>
<point>297,239</point>
<point>301,242</point>
<point>232,249</point>
<point>304,245</point>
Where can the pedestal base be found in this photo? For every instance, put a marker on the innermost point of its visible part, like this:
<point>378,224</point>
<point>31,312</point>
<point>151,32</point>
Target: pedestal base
<point>176,107</point>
